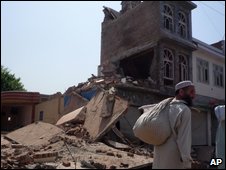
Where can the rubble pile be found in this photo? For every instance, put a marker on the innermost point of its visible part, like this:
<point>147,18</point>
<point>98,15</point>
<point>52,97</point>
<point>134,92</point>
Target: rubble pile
<point>77,130</point>
<point>106,82</point>
<point>15,157</point>
<point>147,151</point>
<point>70,149</point>
<point>81,139</point>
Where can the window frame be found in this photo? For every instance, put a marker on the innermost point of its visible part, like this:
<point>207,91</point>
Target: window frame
<point>183,67</point>
<point>183,25</point>
<point>168,19</point>
<point>218,75</point>
<point>170,63</point>
<point>202,71</point>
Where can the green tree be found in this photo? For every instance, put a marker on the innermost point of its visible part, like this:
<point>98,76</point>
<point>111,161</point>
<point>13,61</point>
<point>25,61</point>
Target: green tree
<point>9,82</point>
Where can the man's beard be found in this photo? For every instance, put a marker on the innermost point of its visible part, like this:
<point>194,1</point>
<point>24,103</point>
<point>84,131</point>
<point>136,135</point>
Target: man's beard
<point>188,100</point>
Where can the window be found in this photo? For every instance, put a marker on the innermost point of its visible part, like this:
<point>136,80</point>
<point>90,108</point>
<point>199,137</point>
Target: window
<point>182,25</point>
<point>41,114</point>
<point>168,67</point>
<point>202,71</point>
<point>183,68</point>
<point>218,75</point>
<point>168,17</point>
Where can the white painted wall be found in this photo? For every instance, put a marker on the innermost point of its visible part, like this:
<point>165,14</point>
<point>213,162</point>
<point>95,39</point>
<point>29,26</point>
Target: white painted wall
<point>208,89</point>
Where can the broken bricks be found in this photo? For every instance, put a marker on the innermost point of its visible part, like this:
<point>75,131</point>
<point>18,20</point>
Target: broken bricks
<point>45,156</point>
<point>116,109</point>
<point>24,158</point>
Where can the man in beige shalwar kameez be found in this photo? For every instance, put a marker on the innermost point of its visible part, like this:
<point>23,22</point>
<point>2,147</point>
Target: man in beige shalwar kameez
<point>175,152</point>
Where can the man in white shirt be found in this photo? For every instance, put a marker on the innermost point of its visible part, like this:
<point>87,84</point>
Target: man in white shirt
<point>175,152</point>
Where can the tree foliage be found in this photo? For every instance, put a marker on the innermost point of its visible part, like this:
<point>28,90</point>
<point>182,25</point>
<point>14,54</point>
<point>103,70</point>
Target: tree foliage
<point>9,82</point>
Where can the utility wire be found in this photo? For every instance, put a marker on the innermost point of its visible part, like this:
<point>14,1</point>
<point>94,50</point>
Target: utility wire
<point>216,30</point>
<point>212,8</point>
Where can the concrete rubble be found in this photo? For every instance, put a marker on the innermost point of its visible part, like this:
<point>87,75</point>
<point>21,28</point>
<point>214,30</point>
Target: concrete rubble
<point>77,141</point>
<point>66,151</point>
<point>82,139</point>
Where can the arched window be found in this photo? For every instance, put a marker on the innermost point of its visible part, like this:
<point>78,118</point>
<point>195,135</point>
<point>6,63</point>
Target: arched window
<point>183,68</point>
<point>168,64</point>
<point>182,25</point>
<point>168,17</point>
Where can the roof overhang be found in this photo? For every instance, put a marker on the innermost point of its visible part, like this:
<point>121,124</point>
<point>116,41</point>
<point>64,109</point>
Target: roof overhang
<point>19,97</point>
<point>208,48</point>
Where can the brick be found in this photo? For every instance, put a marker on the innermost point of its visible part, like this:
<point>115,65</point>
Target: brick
<point>110,154</point>
<point>66,163</point>
<point>24,158</point>
<point>17,152</point>
<point>118,155</point>
<point>17,145</point>
<point>45,156</point>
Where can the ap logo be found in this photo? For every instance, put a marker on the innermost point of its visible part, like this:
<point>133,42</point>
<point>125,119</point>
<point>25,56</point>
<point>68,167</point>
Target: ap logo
<point>216,161</point>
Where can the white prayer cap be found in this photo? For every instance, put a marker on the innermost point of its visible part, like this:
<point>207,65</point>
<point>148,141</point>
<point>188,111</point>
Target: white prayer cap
<point>183,84</point>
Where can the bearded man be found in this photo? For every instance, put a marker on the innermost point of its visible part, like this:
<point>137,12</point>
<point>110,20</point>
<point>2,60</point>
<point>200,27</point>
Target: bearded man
<point>175,152</point>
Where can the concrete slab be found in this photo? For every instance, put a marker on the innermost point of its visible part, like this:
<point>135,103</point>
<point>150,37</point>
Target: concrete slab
<point>37,133</point>
<point>95,123</point>
<point>76,115</point>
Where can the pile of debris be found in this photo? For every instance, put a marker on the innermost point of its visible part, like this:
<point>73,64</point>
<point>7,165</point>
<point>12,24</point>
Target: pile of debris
<point>81,137</point>
<point>87,137</point>
<point>70,150</point>
<point>77,130</point>
<point>64,149</point>
<point>87,89</point>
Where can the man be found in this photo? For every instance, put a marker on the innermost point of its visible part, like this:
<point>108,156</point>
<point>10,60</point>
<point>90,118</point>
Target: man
<point>220,137</point>
<point>175,152</point>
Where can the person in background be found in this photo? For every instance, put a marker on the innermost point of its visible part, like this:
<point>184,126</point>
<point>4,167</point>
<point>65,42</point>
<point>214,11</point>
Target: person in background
<point>220,136</point>
<point>175,152</point>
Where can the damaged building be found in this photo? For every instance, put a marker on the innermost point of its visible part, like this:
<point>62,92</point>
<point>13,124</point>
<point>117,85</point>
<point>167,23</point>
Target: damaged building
<point>151,42</point>
<point>148,35</point>
<point>146,49</point>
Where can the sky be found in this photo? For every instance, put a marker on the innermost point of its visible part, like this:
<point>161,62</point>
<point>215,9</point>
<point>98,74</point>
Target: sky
<point>53,45</point>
